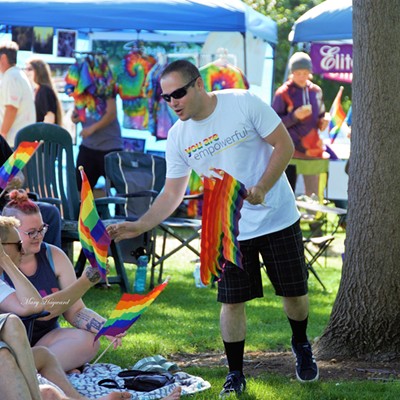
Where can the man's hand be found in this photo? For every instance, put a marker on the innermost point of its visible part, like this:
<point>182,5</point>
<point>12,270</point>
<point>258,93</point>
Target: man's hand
<point>256,195</point>
<point>124,230</point>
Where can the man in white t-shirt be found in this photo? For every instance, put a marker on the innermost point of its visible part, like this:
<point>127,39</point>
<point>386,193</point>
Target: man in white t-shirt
<point>237,132</point>
<point>17,104</point>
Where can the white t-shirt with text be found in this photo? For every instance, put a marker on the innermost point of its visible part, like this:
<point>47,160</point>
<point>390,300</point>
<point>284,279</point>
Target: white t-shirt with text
<point>232,139</point>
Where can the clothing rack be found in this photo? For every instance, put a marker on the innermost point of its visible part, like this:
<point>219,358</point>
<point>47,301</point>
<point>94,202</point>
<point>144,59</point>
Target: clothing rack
<point>90,53</point>
<point>134,45</point>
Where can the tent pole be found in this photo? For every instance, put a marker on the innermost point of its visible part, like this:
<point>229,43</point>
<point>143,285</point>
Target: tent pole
<point>244,52</point>
<point>287,64</point>
<point>273,70</point>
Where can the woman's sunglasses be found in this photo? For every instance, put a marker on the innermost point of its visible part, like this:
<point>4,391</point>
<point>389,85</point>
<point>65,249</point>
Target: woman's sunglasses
<point>179,93</point>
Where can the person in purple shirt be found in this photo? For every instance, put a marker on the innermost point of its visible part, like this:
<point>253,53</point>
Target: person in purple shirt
<point>299,103</point>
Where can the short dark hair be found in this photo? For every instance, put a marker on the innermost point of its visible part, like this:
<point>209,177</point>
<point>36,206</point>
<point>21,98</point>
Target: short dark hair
<point>10,49</point>
<point>187,69</point>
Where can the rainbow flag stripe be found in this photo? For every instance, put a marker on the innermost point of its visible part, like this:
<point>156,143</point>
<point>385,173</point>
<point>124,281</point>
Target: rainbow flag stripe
<point>223,200</point>
<point>93,235</point>
<point>17,161</point>
<point>337,116</point>
<point>128,310</point>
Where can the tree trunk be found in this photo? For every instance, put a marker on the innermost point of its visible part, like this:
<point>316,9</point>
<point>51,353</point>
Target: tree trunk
<point>365,319</point>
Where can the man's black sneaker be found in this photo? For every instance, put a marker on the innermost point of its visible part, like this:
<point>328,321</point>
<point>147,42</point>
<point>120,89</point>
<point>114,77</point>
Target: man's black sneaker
<point>235,384</point>
<point>306,367</point>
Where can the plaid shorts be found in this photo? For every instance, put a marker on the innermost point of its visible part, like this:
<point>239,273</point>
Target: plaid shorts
<point>283,256</point>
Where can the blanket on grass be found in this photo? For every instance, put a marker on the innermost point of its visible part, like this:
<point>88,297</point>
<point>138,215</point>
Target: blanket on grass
<point>86,383</point>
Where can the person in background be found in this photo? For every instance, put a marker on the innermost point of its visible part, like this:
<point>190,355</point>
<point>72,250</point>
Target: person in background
<point>99,137</point>
<point>17,106</point>
<point>47,103</point>
<point>251,144</point>
<point>50,271</point>
<point>299,103</point>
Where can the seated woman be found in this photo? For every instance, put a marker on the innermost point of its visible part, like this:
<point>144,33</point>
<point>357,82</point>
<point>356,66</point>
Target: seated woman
<point>52,274</point>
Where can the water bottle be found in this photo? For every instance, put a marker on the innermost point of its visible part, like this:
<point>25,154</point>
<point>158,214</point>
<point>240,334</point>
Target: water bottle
<point>197,279</point>
<point>139,285</point>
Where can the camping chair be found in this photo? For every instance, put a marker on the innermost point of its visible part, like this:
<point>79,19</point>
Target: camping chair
<point>139,178</point>
<point>321,244</point>
<point>50,173</point>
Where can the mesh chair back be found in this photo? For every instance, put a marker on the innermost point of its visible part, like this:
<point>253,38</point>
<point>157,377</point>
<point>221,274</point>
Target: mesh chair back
<point>133,172</point>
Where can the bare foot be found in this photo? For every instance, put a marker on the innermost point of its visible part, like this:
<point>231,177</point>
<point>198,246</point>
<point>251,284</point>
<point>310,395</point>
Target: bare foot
<point>175,394</point>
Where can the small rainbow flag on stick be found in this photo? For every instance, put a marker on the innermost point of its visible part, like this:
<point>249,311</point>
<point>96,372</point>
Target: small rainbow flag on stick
<point>337,116</point>
<point>128,310</point>
<point>93,235</point>
<point>17,161</point>
<point>223,200</point>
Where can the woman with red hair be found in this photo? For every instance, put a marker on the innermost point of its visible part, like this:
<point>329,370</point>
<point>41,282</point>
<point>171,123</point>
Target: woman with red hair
<point>51,272</point>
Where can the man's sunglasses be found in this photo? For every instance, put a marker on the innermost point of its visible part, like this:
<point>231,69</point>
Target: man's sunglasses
<point>18,244</point>
<point>179,93</point>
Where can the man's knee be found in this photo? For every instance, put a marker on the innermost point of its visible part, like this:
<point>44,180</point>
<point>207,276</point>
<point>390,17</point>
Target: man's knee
<point>8,362</point>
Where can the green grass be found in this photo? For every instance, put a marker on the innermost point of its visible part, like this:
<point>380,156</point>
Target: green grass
<point>185,319</point>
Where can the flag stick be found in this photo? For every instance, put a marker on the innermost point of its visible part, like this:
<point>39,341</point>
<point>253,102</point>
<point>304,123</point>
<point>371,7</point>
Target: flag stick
<point>101,355</point>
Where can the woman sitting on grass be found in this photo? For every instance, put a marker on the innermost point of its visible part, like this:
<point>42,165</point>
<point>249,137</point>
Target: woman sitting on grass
<point>52,274</point>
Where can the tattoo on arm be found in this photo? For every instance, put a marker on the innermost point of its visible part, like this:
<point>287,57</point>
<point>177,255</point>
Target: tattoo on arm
<point>92,274</point>
<point>88,320</point>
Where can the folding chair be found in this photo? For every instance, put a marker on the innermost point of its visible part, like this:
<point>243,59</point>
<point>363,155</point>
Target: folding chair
<point>50,173</point>
<point>140,178</point>
<point>321,244</point>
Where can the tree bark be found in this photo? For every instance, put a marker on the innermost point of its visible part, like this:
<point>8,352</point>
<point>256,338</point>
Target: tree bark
<point>365,319</point>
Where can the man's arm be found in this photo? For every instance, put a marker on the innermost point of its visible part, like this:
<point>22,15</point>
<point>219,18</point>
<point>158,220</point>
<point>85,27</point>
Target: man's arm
<point>164,205</point>
<point>281,155</point>
<point>9,117</point>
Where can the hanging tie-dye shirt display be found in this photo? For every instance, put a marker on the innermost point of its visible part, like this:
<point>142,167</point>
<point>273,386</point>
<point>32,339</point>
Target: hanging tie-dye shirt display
<point>131,81</point>
<point>90,82</point>
<point>227,76</point>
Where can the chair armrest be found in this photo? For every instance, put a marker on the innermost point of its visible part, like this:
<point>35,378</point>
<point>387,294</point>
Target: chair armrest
<point>104,201</point>
<point>142,193</point>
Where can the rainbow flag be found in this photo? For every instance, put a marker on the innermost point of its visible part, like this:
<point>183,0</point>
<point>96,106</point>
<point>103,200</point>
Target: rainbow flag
<point>93,235</point>
<point>337,116</point>
<point>128,310</point>
<point>223,200</point>
<point>17,161</point>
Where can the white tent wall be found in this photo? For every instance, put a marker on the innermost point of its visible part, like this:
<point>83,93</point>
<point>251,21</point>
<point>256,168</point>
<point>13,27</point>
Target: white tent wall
<point>258,65</point>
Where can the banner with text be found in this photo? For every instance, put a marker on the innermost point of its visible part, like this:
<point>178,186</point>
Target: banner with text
<point>331,58</point>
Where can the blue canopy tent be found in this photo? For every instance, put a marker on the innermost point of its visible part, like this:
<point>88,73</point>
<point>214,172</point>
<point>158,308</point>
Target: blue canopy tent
<point>330,20</point>
<point>140,15</point>
<point>167,20</point>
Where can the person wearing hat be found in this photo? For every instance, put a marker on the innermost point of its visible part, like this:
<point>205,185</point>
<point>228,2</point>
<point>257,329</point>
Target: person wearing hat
<point>299,103</point>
